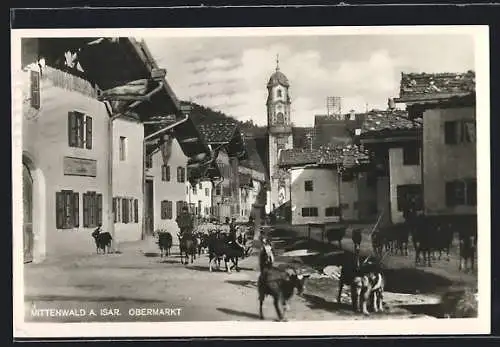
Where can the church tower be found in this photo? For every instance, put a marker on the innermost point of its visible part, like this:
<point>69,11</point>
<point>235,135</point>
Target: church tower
<point>280,135</point>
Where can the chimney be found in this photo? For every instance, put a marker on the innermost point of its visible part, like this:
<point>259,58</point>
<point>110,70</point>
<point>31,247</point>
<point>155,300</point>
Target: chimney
<point>352,115</point>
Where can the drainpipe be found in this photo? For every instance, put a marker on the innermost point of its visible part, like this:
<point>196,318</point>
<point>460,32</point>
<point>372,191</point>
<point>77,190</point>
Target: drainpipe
<point>147,138</point>
<point>111,217</point>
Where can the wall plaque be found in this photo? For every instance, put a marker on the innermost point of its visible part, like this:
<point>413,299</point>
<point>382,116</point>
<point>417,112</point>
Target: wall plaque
<point>80,167</point>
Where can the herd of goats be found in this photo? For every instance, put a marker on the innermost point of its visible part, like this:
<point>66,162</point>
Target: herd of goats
<point>363,274</point>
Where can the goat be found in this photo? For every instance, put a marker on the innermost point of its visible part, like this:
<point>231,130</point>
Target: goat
<point>102,240</point>
<point>280,284</point>
<point>336,235</point>
<point>164,242</point>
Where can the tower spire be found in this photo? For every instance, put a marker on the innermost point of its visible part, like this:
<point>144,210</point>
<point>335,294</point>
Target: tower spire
<point>277,62</point>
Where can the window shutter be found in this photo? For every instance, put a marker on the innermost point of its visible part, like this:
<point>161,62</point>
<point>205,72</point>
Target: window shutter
<point>131,210</point>
<point>450,194</point>
<point>471,192</point>
<point>99,209</point>
<point>85,210</point>
<point>163,173</point>
<point>124,211</point>
<point>88,127</point>
<point>114,210</point>
<point>163,210</point>
<point>68,209</point>
<point>76,210</point>
<point>59,210</point>
<point>136,211</point>
<point>35,89</point>
<point>168,173</point>
<point>450,133</point>
<point>72,131</point>
<point>169,209</point>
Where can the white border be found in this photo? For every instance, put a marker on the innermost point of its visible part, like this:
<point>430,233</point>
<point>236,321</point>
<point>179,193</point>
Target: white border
<point>480,325</point>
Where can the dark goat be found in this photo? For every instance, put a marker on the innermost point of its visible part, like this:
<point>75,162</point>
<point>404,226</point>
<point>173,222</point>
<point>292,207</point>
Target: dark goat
<point>187,246</point>
<point>336,235</point>
<point>219,249</point>
<point>280,284</point>
<point>356,239</point>
<point>164,242</point>
<point>102,240</point>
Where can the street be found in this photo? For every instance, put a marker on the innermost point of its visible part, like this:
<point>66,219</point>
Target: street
<point>123,286</point>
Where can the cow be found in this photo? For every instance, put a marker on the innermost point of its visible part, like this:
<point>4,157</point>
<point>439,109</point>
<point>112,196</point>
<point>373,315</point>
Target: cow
<point>280,284</point>
<point>164,243</point>
<point>443,238</point>
<point>202,242</point>
<point>336,235</point>
<point>467,247</point>
<point>377,239</point>
<point>102,240</point>
<point>187,246</point>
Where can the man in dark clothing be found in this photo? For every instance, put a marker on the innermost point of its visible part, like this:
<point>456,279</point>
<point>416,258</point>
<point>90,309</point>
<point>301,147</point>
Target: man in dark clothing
<point>185,221</point>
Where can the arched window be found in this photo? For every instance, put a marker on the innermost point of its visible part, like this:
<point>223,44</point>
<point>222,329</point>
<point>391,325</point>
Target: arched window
<point>278,93</point>
<point>280,119</point>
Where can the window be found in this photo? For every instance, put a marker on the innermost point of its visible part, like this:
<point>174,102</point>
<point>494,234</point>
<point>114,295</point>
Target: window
<point>79,130</point>
<point>35,89</point>
<point>227,191</point>
<point>207,192</point>
<point>123,148</point>
<point>207,210</point>
<point>280,119</point>
<point>199,207</point>
<point>308,186</point>
<point>411,155</point>
<point>309,212</point>
<point>166,209</point>
<point>92,209</point>
<point>461,193</point>
<point>409,196</point>
<point>181,174</point>
<point>126,210</point>
<point>165,173</point>
<point>217,190</point>
<point>279,93</point>
<point>463,131</point>
<point>200,185</point>
<point>195,190</point>
<point>136,211</point>
<point>67,209</point>
<point>347,176</point>
<point>332,211</point>
<point>149,161</point>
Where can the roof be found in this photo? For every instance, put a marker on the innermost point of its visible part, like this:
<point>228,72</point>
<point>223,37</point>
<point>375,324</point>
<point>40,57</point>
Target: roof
<point>382,122</point>
<point>254,160</point>
<point>302,137</point>
<point>347,156</point>
<point>331,130</point>
<point>278,78</point>
<point>424,86</point>
<point>218,132</point>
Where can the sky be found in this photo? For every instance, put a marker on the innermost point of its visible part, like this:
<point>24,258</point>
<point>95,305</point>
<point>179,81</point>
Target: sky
<point>230,74</point>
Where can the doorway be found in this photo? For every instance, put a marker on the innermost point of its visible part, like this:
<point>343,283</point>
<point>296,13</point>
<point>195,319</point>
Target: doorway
<point>27,214</point>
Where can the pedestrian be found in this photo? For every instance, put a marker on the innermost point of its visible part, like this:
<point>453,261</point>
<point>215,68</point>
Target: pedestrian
<point>185,221</point>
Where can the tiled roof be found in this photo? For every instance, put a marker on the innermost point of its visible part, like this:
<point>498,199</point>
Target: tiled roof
<point>219,131</point>
<point>302,137</point>
<point>344,155</point>
<point>331,130</point>
<point>386,121</point>
<point>423,86</point>
<point>245,180</point>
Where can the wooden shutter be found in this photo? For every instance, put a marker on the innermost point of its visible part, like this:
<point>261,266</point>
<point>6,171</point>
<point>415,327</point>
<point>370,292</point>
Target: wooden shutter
<point>114,210</point>
<point>163,210</point>
<point>125,210</point>
<point>169,209</point>
<point>118,210</point>
<point>168,173</point>
<point>136,211</point>
<point>450,133</point>
<point>450,194</point>
<point>35,89</point>
<point>72,129</point>
<point>59,210</point>
<point>68,209</point>
<point>76,210</point>
<point>88,137</point>
<point>85,201</point>
<point>131,210</point>
<point>99,209</point>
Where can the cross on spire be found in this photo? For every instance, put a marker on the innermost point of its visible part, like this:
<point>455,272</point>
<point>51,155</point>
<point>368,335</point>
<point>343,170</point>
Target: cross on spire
<point>277,62</point>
